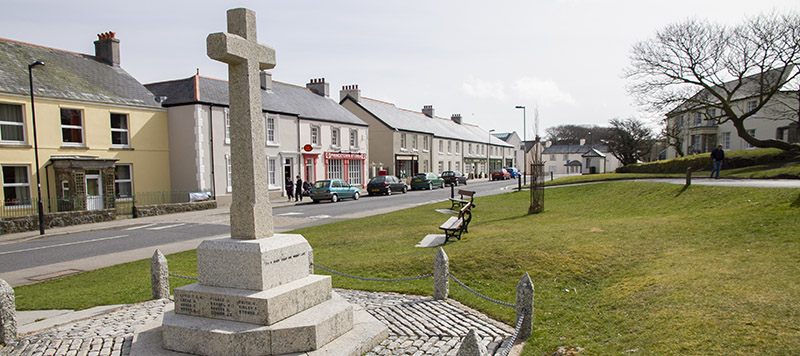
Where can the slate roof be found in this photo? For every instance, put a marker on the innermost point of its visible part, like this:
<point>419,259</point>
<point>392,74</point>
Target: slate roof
<point>282,99</point>
<point>567,149</point>
<point>414,121</point>
<point>503,135</point>
<point>68,75</point>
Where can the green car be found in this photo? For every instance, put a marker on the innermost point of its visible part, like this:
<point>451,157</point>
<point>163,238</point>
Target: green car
<point>426,181</point>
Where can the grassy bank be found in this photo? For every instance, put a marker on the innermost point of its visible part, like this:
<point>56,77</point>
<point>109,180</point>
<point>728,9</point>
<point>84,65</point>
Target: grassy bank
<point>617,266</point>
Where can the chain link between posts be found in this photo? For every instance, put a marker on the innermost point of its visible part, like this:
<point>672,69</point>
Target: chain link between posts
<point>481,295</point>
<point>373,279</point>
<point>184,277</point>
<point>514,337</point>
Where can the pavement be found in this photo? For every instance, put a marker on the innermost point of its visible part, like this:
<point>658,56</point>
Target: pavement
<point>417,326</point>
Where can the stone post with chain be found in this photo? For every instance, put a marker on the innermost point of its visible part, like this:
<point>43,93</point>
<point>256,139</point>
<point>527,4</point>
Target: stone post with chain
<point>8,314</point>
<point>441,275</point>
<point>159,275</point>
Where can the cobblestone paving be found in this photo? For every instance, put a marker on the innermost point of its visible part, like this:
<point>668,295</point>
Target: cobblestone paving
<point>417,326</point>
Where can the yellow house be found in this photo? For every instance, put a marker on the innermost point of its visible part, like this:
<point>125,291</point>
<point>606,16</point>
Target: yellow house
<point>101,135</point>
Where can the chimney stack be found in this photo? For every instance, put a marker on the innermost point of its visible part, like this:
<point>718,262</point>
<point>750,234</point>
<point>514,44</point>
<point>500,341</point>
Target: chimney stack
<point>456,118</point>
<point>107,48</point>
<point>319,87</point>
<point>266,80</point>
<point>428,110</point>
<point>351,91</point>
<point>582,141</point>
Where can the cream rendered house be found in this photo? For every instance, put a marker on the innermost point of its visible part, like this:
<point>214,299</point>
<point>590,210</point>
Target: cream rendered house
<point>307,134</point>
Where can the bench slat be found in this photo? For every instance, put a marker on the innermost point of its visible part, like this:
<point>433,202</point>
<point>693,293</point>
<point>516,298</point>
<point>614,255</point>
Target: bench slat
<point>453,223</point>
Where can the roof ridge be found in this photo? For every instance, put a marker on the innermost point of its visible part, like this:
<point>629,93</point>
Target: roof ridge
<point>380,101</point>
<point>170,81</point>
<point>45,47</point>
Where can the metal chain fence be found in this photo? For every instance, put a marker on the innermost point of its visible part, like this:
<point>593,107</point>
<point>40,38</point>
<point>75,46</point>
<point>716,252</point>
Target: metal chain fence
<point>184,277</point>
<point>373,279</point>
<point>514,337</point>
<point>481,295</point>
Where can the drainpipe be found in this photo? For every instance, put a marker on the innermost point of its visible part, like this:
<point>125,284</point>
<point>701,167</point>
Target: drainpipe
<point>300,161</point>
<point>47,184</point>
<point>211,134</point>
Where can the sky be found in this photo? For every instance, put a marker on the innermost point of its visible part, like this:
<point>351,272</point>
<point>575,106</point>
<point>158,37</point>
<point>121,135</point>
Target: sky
<point>479,59</point>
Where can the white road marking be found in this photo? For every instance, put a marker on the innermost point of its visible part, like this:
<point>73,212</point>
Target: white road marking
<point>139,227</point>
<point>64,244</point>
<point>166,226</point>
<point>319,217</point>
<point>292,213</point>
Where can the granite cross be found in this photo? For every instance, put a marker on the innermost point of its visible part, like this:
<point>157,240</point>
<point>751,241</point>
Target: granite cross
<point>251,212</point>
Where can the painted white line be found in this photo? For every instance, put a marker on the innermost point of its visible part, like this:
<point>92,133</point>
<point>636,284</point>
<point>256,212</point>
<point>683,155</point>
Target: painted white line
<point>166,226</point>
<point>64,244</point>
<point>292,213</point>
<point>319,217</point>
<point>139,227</point>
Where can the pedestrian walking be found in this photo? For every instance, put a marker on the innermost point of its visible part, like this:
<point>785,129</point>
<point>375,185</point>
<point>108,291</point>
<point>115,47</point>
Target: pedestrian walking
<point>289,187</point>
<point>717,155</point>
<point>298,193</point>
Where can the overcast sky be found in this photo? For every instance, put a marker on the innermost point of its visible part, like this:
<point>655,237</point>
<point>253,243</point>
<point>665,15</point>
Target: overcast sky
<point>476,58</point>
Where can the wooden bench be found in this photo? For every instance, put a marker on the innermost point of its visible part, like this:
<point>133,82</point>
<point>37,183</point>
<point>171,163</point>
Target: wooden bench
<point>461,202</point>
<point>455,226</point>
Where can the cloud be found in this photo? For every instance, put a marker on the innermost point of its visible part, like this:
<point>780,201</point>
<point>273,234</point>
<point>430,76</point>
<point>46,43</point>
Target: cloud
<point>493,89</point>
<point>544,92</point>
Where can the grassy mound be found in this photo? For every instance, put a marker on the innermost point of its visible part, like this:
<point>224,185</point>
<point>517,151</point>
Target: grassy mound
<point>758,163</point>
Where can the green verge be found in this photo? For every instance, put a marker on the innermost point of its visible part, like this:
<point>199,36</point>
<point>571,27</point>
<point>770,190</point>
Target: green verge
<point>619,266</point>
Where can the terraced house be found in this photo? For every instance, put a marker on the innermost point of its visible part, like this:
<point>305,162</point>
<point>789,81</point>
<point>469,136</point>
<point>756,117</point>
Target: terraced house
<point>404,142</point>
<point>307,134</point>
<point>101,135</point>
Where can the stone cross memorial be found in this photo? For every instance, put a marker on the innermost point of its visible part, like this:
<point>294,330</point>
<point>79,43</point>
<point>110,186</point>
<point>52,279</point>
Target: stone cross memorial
<point>255,293</point>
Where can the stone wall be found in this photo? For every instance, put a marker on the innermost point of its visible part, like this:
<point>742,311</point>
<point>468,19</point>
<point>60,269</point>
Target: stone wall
<point>67,218</point>
<point>163,209</point>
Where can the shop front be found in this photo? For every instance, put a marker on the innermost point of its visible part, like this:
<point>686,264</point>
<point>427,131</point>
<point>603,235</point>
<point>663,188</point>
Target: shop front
<point>406,165</point>
<point>347,166</point>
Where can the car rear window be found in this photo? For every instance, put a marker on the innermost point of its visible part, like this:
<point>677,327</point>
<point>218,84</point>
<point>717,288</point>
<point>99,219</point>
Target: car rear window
<point>377,180</point>
<point>448,174</point>
<point>322,184</point>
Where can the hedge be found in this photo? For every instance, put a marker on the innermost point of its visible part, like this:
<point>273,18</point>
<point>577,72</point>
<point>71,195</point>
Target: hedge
<point>733,159</point>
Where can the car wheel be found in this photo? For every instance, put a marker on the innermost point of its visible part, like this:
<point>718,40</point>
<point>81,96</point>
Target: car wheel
<point>455,183</point>
<point>356,195</point>
<point>430,186</point>
<point>442,185</point>
<point>334,198</point>
<point>315,201</point>
<point>405,189</point>
<point>389,191</point>
<point>465,182</point>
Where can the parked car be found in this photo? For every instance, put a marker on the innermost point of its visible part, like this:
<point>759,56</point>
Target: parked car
<point>333,190</point>
<point>513,172</point>
<point>386,185</point>
<point>454,178</point>
<point>500,174</point>
<point>426,181</point>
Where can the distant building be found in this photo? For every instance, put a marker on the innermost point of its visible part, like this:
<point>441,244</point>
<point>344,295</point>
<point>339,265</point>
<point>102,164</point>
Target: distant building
<point>517,158</point>
<point>307,134</point>
<point>404,142</point>
<point>696,125</point>
<point>579,159</point>
<point>102,135</point>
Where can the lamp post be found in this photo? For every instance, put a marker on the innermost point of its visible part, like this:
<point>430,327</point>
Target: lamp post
<point>524,138</point>
<point>489,156</point>
<point>36,148</point>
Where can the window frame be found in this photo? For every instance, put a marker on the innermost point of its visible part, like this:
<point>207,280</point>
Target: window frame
<point>274,119</point>
<point>228,174</point>
<point>21,123</point>
<point>354,138</point>
<point>128,181</point>
<point>227,126</point>
<point>126,130</point>
<point>82,143</point>
<point>314,133</point>
<point>336,137</point>
<point>16,185</point>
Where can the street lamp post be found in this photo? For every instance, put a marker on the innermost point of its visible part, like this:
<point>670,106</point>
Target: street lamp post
<point>489,155</point>
<point>36,148</point>
<point>524,138</point>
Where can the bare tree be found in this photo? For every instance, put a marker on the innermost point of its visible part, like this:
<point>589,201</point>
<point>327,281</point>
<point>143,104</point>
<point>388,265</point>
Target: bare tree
<point>697,64</point>
<point>631,140</point>
<point>572,134</point>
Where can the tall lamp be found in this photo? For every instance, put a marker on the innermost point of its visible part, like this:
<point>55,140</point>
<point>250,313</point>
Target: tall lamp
<point>488,155</point>
<point>36,148</point>
<point>524,151</point>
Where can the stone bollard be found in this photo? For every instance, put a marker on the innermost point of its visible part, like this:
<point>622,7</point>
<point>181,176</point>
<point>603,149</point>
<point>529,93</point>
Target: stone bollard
<point>441,275</point>
<point>525,307</point>
<point>471,346</point>
<point>159,275</point>
<point>8,314</point>
<point>688,176</point>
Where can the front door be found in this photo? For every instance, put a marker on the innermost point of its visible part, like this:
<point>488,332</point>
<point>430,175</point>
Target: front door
<point>94,192</point>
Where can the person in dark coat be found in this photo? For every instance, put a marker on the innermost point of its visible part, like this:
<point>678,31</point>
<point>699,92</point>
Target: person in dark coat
<point>717,155</point>
<point>289,187</point>
<point>298,193</point>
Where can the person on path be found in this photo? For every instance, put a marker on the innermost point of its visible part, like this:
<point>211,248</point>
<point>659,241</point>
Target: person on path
<point>289,187</point>
<point>298,193</point>
<point>717,155</point>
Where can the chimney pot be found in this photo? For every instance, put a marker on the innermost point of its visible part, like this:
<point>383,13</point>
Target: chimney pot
<point>107,48</point>
<point>352,91</point>
<point>319,87</point>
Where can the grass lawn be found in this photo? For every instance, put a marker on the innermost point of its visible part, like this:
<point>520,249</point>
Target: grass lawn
<point>617,266</point>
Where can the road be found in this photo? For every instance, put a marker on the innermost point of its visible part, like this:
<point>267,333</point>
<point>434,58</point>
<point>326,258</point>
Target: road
<point>106,244</point>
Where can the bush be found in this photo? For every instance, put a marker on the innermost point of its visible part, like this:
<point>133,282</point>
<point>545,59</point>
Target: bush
<point>733,159</point>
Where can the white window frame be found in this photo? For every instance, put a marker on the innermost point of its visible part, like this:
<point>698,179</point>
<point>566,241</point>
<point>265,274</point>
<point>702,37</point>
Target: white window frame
<point>353,138</point>
<point>354,172</point>
<point>335,137</point>
<point>441,167</point>
<point>128,181</point>
<point>314,132</point>
<point>751,132</point>
<point>335,169</point>
<point>272,173</point>
<point>228,174</point>
<point>72,127</point>
<point>227,126</point>
<point>458,151</point>
<point>414,142</point>
<point>424,143</point>
<point>15,185</point>
<point>726,140</point>
<point>752,105</point>
<point>441,147</point>
<point>403,141</point>
<point>125,131</point>
<point>273,131</point>
<point>4,122</point>
<point>449,147</point>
